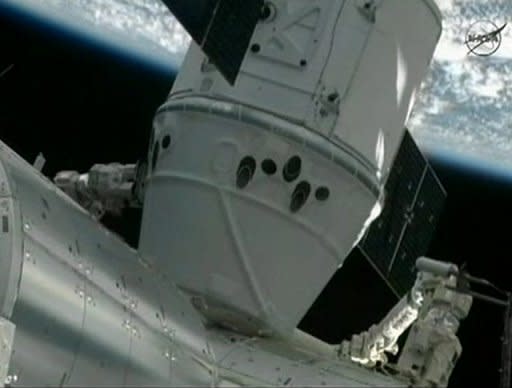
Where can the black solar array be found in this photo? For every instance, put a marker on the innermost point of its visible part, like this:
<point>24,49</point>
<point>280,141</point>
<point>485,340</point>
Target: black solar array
<point>194,15</point>
<point>223,29</point>
<point>413,203</point>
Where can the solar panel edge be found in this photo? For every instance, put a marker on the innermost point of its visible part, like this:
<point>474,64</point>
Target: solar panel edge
<point>403,231</point>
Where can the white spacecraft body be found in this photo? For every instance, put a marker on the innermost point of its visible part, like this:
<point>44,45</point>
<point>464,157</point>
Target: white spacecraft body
<point>254,195</point>
<point>257,192</point>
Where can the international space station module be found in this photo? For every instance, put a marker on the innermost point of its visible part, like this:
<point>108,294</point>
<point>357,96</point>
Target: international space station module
<point>281,147</point>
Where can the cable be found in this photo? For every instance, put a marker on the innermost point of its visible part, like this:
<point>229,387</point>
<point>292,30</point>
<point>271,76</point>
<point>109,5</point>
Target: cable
<point>6,70</point>
<point>331,45</point>
<point>484,282</point>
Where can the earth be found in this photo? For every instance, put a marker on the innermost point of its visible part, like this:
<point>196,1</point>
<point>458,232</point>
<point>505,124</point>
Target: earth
<point>462,110</point>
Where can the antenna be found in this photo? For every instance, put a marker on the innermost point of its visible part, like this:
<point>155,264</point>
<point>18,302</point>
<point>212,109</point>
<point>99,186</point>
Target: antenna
<point>506,350</point>
<point>463,286</point>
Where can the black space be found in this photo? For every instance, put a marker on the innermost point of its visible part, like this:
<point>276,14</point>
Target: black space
<point>81,104</point>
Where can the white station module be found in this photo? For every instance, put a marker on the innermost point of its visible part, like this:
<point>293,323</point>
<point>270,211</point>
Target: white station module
<point>257,192</point>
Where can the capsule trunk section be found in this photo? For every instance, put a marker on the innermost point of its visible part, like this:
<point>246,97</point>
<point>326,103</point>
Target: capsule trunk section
<point>257,192</point>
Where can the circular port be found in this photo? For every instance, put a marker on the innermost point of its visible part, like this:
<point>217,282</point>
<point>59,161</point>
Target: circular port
<point>300,196</point>
<point>269,167</point>
<point>166,142</point>
<point>322,193</point>
<point>291,169</point>
<point>268,12</point>
<point>245,171</point>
